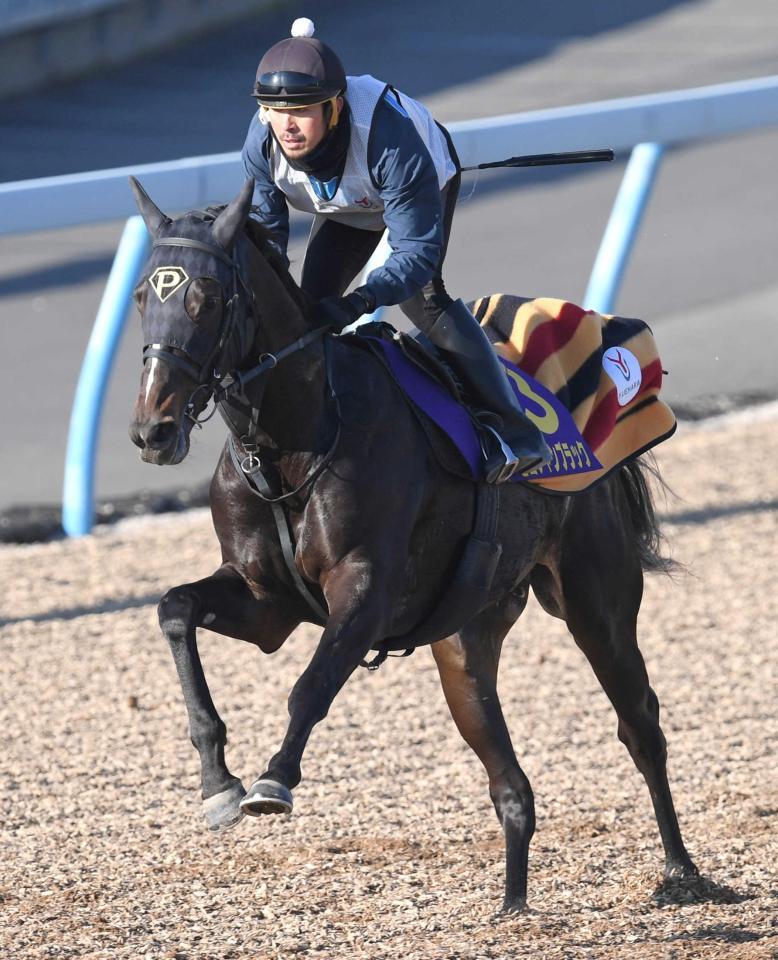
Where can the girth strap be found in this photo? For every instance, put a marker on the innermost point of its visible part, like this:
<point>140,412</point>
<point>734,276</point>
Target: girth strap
<point>468,589</point>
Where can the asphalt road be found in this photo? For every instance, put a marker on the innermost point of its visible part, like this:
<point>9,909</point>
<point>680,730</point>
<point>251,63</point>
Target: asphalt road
<point>702,273</point>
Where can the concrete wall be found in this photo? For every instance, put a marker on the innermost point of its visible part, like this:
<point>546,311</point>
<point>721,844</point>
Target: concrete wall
<point>45,41</point>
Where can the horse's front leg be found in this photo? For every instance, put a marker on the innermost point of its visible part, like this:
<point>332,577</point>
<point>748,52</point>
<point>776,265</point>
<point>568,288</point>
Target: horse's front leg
<point>358,618</point>
<point>224,604</point>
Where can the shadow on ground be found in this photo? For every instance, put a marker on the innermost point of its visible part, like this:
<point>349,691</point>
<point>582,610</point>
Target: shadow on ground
<point>73,613</point>
<point>681,890</point>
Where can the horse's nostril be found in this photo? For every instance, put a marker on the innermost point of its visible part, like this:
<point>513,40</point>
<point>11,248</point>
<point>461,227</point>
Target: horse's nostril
<point>158,436</point>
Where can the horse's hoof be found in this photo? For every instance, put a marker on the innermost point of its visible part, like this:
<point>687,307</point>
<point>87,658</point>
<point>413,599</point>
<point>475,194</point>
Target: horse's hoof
<point>681,871</point>
<point>267,796</point>
<point>514,906</point>
<point>222,810</point>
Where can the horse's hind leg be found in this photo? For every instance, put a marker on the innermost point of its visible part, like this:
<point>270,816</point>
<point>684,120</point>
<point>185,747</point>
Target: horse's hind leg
<point>467,664</point>
<point>602,586</point>
<point>224,604</point>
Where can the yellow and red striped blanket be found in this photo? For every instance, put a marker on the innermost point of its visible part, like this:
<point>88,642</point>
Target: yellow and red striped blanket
<point>604,369</point>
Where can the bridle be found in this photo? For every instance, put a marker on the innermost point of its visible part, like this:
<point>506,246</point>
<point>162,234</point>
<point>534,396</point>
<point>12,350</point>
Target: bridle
<point>208,375</point>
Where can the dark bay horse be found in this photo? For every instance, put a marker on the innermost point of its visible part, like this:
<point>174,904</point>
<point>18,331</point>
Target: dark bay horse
<point>377,526</point>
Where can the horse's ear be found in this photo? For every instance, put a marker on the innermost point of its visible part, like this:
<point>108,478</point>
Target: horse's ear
<point>153,217</point>
<point>230,221</point>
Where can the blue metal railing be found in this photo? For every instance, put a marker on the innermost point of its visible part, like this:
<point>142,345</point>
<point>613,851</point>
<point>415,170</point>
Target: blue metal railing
<point>651,122</point>
<point>81,457</point>
<point>80,461</point>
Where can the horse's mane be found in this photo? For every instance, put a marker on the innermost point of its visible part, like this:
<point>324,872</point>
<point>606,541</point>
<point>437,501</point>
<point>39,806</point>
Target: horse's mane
<point>262,239</point>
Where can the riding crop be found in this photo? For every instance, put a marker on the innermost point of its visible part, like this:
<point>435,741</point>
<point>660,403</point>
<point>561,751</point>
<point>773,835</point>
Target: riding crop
<point>546,159</point>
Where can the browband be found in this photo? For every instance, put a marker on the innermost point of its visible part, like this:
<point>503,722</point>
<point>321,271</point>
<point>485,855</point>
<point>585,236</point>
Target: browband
<point>196,245</point>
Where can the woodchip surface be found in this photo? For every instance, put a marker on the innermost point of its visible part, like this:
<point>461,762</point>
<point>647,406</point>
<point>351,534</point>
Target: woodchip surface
<point>393,849</point>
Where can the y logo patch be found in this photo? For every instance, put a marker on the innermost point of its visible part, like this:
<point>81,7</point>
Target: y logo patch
<point>623,368</point>
<point>166,280</point>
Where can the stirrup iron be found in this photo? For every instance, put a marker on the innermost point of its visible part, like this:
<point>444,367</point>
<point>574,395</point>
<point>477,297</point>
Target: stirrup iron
<point>503,473</point>
<point>514,463</point>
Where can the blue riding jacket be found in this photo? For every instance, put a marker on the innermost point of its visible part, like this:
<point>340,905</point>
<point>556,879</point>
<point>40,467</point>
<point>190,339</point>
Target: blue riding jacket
<point>402,170</point>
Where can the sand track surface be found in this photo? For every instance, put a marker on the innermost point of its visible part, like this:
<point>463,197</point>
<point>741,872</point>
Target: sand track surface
<point>393,849</point>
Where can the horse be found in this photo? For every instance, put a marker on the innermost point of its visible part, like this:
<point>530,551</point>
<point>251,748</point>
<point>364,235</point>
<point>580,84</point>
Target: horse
<point>373,528</point>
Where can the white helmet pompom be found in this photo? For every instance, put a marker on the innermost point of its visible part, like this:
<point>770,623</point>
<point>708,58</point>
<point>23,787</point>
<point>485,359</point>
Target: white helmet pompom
<point>302,27</point>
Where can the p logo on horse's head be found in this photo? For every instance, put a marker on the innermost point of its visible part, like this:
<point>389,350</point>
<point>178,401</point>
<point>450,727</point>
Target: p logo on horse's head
<point>166,280</point>
<point>198,324</point>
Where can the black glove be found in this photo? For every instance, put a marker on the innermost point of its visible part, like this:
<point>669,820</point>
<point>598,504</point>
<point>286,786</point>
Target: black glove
<point>339,312</point>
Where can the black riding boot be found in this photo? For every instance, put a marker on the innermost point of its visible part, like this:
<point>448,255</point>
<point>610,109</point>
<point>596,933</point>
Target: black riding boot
<point>458,334</point>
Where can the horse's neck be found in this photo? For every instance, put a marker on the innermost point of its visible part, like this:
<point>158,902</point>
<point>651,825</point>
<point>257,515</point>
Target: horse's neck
<point>292,402</point>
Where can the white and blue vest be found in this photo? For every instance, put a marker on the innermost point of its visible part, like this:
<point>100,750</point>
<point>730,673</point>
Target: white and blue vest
<point>357,201</point>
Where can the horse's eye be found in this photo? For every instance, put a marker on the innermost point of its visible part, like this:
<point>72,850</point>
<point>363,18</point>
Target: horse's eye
<point>202,299</point>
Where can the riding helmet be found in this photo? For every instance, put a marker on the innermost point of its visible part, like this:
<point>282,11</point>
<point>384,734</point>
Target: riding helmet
<point>299,71</point>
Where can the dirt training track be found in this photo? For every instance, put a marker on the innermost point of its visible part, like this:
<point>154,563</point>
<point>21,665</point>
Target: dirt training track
<point>393,849</point>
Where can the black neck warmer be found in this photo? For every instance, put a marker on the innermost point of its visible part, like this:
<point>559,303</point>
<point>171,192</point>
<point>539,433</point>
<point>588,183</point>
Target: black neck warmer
<point>328,159</point>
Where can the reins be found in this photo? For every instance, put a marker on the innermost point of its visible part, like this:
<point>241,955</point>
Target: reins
<point>267,362</point>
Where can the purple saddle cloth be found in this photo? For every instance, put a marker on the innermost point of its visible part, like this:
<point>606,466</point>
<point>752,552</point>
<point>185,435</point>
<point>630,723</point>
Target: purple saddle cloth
<point>457,423</point>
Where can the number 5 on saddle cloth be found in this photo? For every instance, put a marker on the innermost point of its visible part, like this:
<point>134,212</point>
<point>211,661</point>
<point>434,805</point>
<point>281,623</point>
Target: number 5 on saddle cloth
<point>589,382</point>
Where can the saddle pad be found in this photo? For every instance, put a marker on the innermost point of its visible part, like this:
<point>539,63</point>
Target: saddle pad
<point>590,382</point>
<point>605,370</point>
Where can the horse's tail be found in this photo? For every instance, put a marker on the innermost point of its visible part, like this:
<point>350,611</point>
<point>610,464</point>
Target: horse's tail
<point>633,477</point>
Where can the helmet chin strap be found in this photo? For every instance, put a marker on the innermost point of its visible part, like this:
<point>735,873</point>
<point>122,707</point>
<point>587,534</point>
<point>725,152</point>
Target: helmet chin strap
<point>334,111</point>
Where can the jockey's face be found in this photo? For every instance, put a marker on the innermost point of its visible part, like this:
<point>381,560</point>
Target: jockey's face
<point>301,130</point>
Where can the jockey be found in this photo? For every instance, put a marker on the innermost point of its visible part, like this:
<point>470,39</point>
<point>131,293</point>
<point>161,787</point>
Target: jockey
<point>363,157</point>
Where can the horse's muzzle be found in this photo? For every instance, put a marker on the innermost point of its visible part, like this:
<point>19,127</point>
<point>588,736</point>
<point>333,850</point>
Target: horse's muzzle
<point>163,442</point>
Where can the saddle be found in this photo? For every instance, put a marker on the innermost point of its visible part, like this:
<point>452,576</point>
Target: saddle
<point>431,389</point>
<point>590,382</point>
